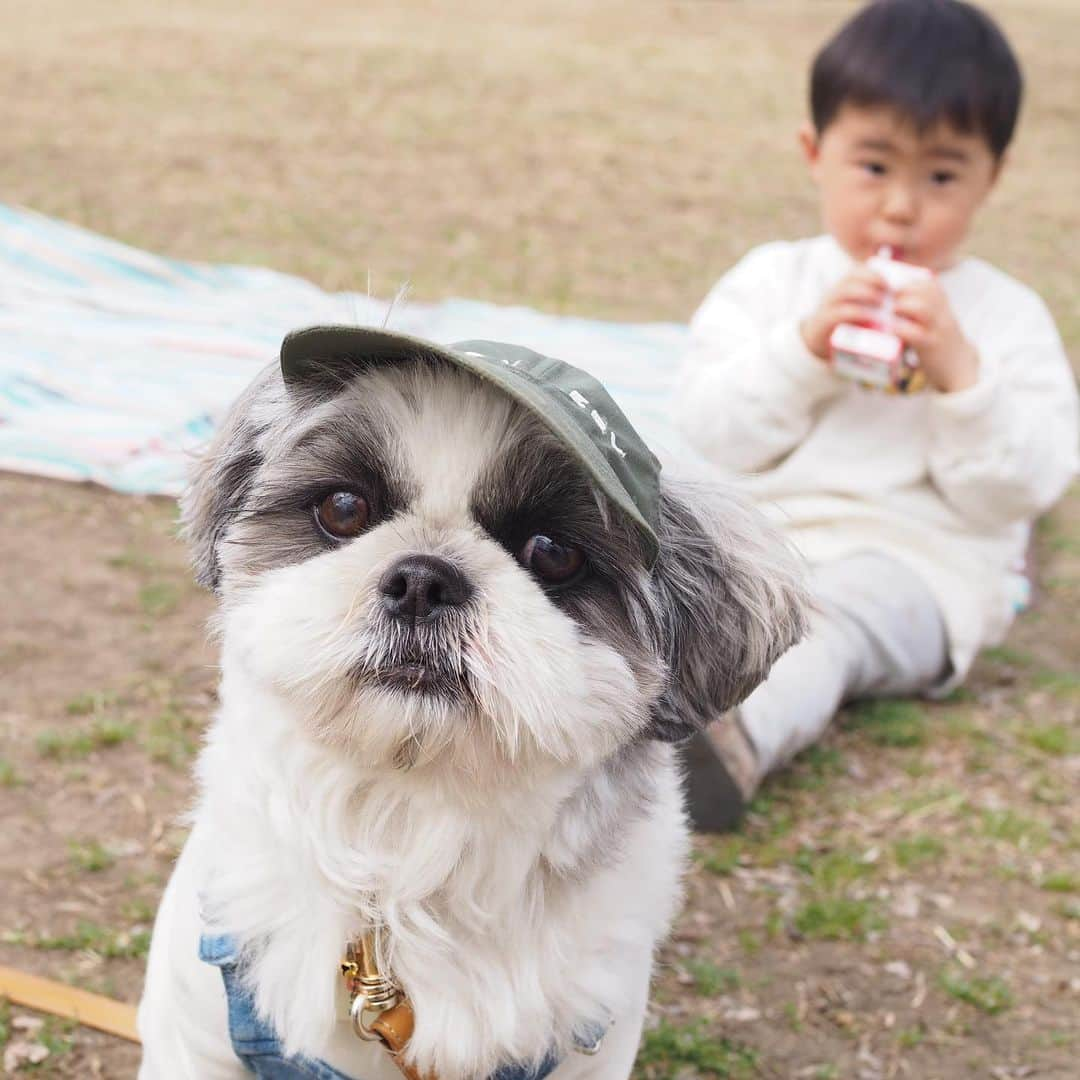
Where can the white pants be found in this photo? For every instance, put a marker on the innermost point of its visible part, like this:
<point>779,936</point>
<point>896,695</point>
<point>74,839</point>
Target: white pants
<point>876,632</point>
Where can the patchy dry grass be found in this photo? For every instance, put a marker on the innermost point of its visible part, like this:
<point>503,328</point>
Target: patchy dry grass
<point>903,902</point>
<point>666,1049</point>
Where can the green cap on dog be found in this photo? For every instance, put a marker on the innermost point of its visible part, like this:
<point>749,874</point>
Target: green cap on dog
<point>570,403</point>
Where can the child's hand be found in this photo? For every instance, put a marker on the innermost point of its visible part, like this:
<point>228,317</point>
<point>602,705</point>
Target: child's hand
<point>924,320</point>
<point>856,297</point>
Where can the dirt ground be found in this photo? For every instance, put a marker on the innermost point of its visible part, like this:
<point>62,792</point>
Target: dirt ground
<point>905,901</point>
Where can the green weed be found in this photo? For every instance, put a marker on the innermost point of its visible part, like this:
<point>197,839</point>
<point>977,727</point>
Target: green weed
<point>1008,657</point>
<point>722,856</point>
<point>1012,828</point>
<point>91,857</point>
<point>1062,881</point>
<point>711,980</point>
<point>917,850</point>
<point>1060,684</point>
<point>1053,739</point>
<point>133,559</point>
<point>666,1047</point>
<point>112,944</point>
<point>838,918</point>
<point>910,1037</point>
<point>891,723</point>
<point>171,737</point>
<point>815,767</point>
<point>832,871</point>
<point>158,598</point>
<point>80,742</point>
<point>749,942</point>
<point>987,993</point>
<point>57,1036</point>
<point>90,702</point>
<point>64,745</point>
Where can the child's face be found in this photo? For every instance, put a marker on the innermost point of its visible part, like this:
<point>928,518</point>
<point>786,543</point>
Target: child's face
<point>884,183</point>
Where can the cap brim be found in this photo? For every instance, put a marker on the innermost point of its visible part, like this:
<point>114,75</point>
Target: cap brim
<point>307,353</point>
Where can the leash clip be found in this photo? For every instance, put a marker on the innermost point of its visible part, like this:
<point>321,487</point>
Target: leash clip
<point>371,993</point>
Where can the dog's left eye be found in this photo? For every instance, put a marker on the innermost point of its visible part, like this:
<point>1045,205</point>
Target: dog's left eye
<point>343,515</point>
<point>551,561</point>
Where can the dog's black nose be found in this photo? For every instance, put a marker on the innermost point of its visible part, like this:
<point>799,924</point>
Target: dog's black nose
<point>422,588</point>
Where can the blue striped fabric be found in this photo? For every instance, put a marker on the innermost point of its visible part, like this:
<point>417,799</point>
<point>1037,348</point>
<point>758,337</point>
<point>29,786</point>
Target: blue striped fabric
<point>115,364</point>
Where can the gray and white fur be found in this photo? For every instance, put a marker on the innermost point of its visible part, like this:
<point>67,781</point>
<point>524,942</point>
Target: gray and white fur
<point>492,781</point>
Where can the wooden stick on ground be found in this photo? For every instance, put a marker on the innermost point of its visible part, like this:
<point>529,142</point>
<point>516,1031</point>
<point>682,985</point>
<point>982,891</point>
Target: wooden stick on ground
<point>58,999</point>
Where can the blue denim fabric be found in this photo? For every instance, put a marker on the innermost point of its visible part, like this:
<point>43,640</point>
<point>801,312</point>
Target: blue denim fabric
<point>255,1042</point>
<point>257,1045</point>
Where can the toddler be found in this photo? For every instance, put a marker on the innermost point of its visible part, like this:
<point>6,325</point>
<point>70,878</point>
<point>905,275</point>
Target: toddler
<point>910,509</point>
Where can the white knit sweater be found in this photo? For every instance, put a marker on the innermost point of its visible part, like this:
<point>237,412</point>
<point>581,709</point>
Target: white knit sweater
<point>946,483</point>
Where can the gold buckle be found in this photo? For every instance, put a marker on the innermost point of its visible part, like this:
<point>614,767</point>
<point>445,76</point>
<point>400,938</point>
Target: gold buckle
<point>371,993</point>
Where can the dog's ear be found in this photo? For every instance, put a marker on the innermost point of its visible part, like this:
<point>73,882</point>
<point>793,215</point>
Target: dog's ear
<point>732,599</point>
<point>221,478</point>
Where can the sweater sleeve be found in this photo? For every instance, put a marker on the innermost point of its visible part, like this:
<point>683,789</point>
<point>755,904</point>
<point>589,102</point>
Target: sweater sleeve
<point>749,386</point>
<point>1005,449</point>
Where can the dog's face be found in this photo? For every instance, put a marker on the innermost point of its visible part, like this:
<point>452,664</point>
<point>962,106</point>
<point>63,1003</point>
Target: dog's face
<point>412,560</point>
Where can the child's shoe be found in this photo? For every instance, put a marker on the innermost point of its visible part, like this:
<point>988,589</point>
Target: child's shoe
<point>721,775</point>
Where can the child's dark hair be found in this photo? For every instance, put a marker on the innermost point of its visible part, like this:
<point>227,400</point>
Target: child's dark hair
<point>931,60</point>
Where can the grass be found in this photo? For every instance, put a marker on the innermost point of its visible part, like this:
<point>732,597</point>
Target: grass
<point>159,598</point>
<point>108,733</point>
<point>172,737</point>
<point>134,559</point>
<point>1069,910</point>
<point>837,918</point>
<point>1010,827</point>
<point>711,980</point>
<point>58,1037</point>
<point>1056,740</point>
<point>722,856</point>
<point>815,767</point>
<point>1062,881</point>
<point>987,993</point>
<point>833,870</point>
<point>829,913</point>
<point>64,745</point>
<point>9,776</point>
<point>666,1049</point>
<point>1064,685</point>
<point>890,723</point>
<point>81,742</point>
<point>913,851</point>
<point>90,702</point>
<point>748,941</point>
<point>909,1038</point>
<point>1007,656</point>
<point>90,857</point>
<point>106,942</point>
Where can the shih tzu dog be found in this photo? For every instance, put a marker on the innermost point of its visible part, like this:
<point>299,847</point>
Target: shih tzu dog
<point>463,620</point>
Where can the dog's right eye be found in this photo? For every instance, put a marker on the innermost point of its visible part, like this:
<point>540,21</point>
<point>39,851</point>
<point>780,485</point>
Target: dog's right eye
<point>343,515</point>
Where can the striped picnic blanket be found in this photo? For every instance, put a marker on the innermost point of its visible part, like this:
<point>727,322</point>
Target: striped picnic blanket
<point>115,363</point>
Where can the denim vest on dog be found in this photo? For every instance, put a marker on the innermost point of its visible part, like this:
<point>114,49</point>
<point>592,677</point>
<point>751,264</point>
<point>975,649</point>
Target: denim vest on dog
<point>257,1045</point>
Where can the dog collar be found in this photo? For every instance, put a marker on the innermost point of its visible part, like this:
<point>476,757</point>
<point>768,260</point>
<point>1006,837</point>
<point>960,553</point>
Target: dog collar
<point>256,1043</point>
<point>380,1011</point>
